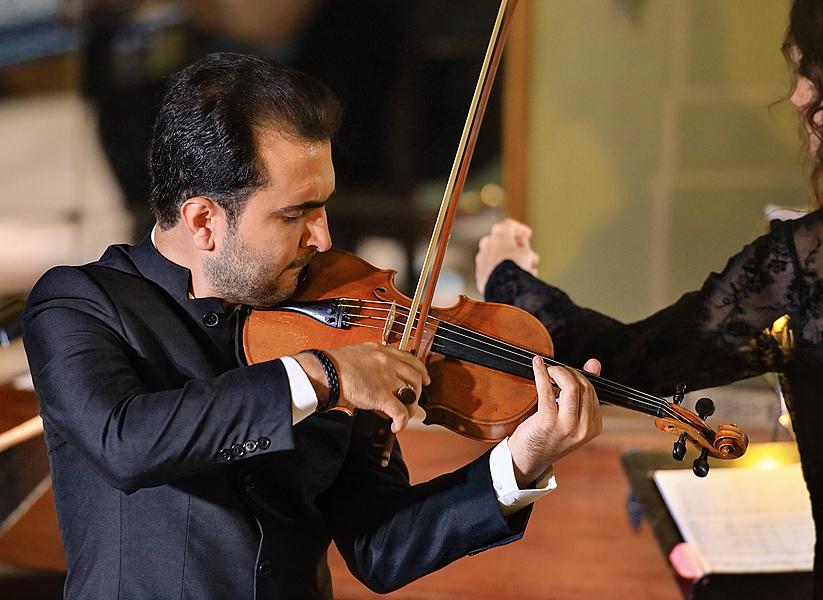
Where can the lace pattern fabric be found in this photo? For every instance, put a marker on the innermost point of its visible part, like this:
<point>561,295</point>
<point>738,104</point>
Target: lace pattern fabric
<point>712,336</point>
<point>709,337</point>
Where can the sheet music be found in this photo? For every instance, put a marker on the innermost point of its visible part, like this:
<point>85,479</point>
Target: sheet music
<point>743,520</point>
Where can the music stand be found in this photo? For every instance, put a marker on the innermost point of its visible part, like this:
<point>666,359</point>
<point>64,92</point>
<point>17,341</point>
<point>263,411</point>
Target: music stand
<point>639,467</point>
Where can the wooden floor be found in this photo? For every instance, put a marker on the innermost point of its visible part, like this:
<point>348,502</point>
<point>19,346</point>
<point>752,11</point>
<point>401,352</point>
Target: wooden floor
<point>578,544</point>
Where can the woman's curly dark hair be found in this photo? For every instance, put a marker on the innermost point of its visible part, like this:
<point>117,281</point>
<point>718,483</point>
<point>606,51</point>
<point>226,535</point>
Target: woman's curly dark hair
<point>803,49</point>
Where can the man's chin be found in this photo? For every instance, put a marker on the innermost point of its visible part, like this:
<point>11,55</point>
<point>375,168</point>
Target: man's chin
<point>285,291</point>
<point>288,283</point>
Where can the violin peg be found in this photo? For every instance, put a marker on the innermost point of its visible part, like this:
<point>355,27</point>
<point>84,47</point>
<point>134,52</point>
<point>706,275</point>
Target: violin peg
<point>679,393</point>
<point>704,408</point>
<point>701,465</point>
<point>679,450</point>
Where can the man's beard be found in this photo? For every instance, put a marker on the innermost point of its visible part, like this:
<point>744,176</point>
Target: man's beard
<point>240,275</point>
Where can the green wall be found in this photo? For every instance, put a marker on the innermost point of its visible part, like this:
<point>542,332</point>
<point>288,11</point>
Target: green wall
<point>654,148</point>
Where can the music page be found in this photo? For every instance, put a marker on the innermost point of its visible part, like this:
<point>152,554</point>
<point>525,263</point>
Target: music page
<point>743,520</point>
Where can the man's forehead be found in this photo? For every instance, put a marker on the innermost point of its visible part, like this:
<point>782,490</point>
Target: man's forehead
<point>277,138</point>
<point>299,170</point>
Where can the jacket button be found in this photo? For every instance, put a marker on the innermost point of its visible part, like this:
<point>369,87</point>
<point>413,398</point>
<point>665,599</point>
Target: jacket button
<point>249,483</point>
<point>211,319</point>
<point>263,443</point>
<point>264,569</point>
<point>250,445</point>
<point>224,454</point>
<point>238,450</point>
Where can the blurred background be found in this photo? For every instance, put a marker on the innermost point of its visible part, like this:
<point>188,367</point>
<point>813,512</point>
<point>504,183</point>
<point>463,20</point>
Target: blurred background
<point>643,140</point>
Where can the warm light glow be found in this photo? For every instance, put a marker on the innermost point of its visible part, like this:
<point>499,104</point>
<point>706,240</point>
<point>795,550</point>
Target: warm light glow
<point>768,456</point>
<point>492,195</point>
<point>780,324</point>
<point>471,201</point>
<point>767,464</point>
<point>781,332</point>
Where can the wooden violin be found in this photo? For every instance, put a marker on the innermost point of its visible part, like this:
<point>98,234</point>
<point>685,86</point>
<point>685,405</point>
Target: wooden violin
<point>478,354</point>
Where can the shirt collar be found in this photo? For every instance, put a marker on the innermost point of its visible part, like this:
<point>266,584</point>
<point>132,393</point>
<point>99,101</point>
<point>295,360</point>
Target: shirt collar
<point>173,278</point>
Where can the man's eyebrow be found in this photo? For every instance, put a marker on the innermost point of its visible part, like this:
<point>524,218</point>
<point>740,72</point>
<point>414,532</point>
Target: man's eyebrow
<point>309,204</point>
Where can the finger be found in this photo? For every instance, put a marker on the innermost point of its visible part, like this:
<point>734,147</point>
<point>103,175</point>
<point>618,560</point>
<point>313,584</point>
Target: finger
<point>569,399</point>
<point>504,227</point>
<point>588,398</point>
<point>509,231</point>
<point>546,398</point>
<point>406,394</point>
<point>592,366</point>
<point>522,233</point>
<point>408,397</point>
<point>410,377</point>
<point>410,360</point>
<point>512,225</point>
<point>397,412</point>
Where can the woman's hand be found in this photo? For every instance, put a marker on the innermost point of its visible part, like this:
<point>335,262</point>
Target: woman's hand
<point>508,240</point>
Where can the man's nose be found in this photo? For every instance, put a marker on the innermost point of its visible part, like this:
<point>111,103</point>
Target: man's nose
<point>318,234</point>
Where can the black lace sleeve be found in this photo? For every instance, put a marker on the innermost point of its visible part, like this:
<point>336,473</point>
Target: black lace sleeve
<point>708,337</point>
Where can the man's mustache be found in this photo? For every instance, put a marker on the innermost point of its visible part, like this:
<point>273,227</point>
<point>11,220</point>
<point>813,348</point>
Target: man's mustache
<point>300,263</point>
<point>303,265</point>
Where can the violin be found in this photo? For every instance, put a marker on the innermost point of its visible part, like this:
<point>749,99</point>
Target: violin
<point>478,354</point>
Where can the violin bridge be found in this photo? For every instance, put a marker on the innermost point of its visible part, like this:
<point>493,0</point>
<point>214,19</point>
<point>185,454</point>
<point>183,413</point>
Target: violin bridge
<point>387,328</point>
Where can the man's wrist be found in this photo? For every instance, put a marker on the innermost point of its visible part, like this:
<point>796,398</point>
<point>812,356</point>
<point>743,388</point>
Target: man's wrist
<point>512,497</point>
<point>526,471</point>
<point>332,381</point>
<point>314,371</point>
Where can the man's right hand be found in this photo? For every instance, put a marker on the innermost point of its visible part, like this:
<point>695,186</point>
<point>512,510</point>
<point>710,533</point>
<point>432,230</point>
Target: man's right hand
<point>370,376</point>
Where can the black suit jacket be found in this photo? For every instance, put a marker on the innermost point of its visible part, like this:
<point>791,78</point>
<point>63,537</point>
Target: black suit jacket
<point>177,472</point>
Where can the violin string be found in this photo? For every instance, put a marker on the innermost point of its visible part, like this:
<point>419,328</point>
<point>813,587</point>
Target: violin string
<point>599,383</point>
<point>523,353</point>
<point>604,385</point>
<point>639,401</point>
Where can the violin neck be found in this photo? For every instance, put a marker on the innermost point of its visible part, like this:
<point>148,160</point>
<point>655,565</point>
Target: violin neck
<point>487,353</point>
<point>470,346</point>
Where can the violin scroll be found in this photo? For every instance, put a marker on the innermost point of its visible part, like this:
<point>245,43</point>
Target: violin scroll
<point>727,443</point>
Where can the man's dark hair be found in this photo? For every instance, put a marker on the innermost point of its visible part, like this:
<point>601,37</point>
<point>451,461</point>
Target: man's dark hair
<point>205,137</point>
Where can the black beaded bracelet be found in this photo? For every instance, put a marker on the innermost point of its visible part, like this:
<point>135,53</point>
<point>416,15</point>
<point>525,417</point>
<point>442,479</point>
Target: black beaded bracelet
<point>332,381</point>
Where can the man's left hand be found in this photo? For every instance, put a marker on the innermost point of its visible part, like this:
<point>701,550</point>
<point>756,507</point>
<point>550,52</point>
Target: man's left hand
<point>563,421</point>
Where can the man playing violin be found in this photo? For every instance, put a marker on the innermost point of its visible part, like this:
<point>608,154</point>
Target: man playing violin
<point>178,470</point>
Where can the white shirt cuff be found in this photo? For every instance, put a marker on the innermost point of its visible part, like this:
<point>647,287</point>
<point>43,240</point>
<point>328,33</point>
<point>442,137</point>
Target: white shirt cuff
<point>303,398</point>
<point>510,497</point>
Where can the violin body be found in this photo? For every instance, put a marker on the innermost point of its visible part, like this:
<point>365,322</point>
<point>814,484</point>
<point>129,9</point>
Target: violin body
<point>478,354</point>
<point>477,401</point>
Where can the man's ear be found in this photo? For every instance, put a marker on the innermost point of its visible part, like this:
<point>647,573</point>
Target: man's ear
<point>204,220</point>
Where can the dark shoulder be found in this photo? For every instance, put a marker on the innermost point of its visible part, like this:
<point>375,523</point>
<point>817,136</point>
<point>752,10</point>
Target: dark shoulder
<point>68,284</point>
<point>809,223</point>
<point>806,235</point>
